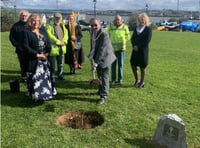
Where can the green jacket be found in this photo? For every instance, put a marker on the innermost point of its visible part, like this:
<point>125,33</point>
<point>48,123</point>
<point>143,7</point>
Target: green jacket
<point>118,36</point>
<point>55,42</point>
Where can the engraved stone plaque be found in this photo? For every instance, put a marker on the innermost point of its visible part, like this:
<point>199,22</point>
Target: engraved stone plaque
<point>171,132</point>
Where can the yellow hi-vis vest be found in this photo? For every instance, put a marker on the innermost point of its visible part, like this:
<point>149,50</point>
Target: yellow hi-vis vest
<point>118,36</point>
<point>55,42</point>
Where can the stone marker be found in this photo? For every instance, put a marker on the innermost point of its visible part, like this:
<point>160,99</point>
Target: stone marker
<point>171,132</point>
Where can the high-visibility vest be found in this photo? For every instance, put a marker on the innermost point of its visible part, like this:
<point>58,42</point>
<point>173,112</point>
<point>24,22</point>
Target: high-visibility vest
<point>55,42</point>
<point>118,36</point>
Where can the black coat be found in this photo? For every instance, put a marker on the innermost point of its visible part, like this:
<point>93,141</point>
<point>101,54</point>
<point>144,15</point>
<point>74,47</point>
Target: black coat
<point>31,47</point>
<point>15,35</point>
<point>69,56</point>
<point>140,57</point>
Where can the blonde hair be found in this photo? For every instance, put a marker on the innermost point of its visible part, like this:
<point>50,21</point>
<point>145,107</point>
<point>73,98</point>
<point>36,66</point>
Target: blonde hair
<point>74,19</point>
<point>146,18</point>
<point>33,17</point>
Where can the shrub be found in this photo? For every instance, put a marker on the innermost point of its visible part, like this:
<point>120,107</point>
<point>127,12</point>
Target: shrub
<point>8,18</point>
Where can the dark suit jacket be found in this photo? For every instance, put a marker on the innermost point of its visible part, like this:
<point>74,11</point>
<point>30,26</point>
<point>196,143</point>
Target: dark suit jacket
<point>104,54</point>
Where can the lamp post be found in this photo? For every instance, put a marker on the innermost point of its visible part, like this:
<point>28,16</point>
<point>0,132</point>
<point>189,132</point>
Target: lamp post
<point>15,7</point>
<point>95,1</point>
<point>199,9</point>
<point>57,5</point>
<point>178,9</point>
<point>163,14</point>
<point>147,7</point>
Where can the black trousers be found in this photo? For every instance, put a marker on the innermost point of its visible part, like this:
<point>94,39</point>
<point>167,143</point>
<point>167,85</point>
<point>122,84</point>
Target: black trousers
<point>23,61</point>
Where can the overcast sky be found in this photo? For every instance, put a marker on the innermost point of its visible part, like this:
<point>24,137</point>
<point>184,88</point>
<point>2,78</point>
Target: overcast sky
<point>190,5</point>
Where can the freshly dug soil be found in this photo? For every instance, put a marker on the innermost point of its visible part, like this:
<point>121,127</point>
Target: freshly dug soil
<point>81,119</point>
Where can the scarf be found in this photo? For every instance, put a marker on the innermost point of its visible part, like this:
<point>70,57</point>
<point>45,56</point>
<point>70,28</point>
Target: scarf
<point>140,29</point>
<point>72,32</point>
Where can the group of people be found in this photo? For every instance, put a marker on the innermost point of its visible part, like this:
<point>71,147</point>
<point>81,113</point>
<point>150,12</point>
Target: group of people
<point>39,48</point>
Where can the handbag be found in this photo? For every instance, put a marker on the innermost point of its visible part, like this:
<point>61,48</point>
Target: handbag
<point>77,45</point>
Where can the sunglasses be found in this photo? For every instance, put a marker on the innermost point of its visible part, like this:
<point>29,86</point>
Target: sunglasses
<point>95,25</point>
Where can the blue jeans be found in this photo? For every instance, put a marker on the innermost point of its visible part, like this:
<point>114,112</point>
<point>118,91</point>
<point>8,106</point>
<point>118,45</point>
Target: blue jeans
<point>120,59</point>
<point>59,60</point>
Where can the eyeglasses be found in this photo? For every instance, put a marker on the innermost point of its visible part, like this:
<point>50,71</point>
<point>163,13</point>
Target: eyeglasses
<point>24,15</point>
<point>95,25</point>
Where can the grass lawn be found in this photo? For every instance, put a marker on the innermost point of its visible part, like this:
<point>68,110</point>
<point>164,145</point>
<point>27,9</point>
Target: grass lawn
<point>131,115</point>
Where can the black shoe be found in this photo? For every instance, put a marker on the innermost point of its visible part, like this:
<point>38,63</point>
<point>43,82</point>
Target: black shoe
<point>140,85</point>
<point>72,72</point>
<point>136,84</point>
<point>101,101</point>
<point>98,92</point>
<point>120,82</point>
<point>61,78</point>
<point>113,83</point>
<point>23,80</point>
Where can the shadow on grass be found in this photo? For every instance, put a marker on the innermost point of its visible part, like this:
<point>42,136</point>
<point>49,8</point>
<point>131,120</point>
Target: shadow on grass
<point>73,91</point>
<point>68,84</point>
<point>139,142</point>
<point>86,97</point>
<point>7,75</point>
<point>17,99</point>
<point>116,86</point>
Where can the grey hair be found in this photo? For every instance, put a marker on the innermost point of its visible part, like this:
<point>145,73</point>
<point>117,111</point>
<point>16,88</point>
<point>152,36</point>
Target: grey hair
<point>95,19</point>
<point>118,16</point>
<point>26,11</point>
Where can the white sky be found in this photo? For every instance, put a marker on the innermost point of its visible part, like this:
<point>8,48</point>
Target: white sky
<point>190,5</point>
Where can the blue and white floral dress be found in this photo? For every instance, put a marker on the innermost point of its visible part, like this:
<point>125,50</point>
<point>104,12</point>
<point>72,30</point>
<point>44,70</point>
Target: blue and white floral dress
<point>40,83</point>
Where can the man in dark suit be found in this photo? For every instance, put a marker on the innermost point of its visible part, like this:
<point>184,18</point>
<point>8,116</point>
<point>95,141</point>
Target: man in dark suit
<point>16,37</point>
<point>103,56</point>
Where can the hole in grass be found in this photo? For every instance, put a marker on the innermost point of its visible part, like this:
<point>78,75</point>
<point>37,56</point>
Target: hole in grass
<point>81,119</point>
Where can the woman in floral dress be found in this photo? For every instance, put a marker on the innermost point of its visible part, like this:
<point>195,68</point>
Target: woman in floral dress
<point>37,48</point>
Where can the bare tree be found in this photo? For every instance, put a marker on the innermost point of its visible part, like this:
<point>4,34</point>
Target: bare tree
<point>8,14</point>
<point>8,3</point>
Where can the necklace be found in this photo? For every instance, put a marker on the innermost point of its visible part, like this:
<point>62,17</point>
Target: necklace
<point>41,41</point>
<point>94,39</point>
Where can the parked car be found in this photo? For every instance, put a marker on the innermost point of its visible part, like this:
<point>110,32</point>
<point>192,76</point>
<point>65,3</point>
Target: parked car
<point>171,27</point>
<point>167,26</point>
<point>166,23</point>
<point>85,26</point>
<point>198,28</point>
<point>188,26</point>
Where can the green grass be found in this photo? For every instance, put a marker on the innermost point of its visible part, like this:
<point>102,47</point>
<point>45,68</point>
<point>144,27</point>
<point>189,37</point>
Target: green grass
<point>131,115</point>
